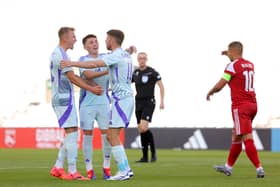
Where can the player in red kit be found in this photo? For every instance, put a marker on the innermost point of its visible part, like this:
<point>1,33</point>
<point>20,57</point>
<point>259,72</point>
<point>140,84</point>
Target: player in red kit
<point>239,75</point>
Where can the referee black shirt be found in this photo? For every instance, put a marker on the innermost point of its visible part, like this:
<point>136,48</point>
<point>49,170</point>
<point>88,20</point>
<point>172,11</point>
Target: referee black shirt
<point>145,81</point>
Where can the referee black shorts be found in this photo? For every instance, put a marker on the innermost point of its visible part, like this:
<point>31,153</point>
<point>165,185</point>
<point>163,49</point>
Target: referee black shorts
<point>144,109</point>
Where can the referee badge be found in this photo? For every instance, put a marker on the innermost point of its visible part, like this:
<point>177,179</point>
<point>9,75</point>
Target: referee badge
<point>145,79</point>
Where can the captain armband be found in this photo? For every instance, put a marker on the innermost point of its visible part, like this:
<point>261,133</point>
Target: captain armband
<point>226,76</point>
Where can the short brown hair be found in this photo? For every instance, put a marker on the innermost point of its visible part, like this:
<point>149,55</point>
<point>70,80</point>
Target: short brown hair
<point>64,30</point>
<point>87,37</point>
<point>236,45</point>
<point>117,34</point>
<point>142,53</point>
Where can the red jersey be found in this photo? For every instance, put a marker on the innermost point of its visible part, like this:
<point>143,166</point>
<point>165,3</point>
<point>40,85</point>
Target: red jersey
<point>241,81</point>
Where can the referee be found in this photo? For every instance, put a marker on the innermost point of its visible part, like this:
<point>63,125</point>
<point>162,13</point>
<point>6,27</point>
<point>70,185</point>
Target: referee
<point>145,79</point>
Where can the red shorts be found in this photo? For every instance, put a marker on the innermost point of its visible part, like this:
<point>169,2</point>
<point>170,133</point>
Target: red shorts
<point>243,116</point>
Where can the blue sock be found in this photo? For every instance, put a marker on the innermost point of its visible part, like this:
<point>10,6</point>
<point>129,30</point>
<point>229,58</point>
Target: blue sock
<point>125,159</point>
<point>71,145</point>
<point>61,155</point>
<point>107,149</point>
<point>87,151</point>
<point>120,157</point>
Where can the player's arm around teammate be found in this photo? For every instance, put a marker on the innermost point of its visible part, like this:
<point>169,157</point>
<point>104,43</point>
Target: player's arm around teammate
<point>91,75</point>
<point>94,108</point>
<point>63,103</point>
<point>119,63</point>
<point>91,64</point>
<point>75,79</point>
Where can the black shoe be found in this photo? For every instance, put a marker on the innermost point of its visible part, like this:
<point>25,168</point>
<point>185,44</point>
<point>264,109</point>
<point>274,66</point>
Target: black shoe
<point>142,160</point>
<point>154,158</point>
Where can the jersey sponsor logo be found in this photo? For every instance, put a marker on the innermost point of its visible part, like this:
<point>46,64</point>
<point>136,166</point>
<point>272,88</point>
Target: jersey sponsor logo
<point>48,137</point>
<point>145,79</point>
<point>196,141</point>
<point>43,137</point>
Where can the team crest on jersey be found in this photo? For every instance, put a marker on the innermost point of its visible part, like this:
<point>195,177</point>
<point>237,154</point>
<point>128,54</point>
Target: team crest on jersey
<point>145,79</point>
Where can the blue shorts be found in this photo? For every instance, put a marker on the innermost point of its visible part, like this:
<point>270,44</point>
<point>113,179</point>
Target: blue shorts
<point>100,113</point>
<point>121,112</point>
<point>66,116</point>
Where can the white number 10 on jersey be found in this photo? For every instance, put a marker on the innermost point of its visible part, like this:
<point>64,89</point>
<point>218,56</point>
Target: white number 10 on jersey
<point>249,77</point>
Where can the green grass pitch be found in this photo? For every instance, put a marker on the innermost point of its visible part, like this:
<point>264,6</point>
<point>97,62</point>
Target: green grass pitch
<point>174,168</point>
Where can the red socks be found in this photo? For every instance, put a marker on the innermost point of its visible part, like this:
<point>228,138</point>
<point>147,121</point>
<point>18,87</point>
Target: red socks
<point>235,150</point>
<point>252,153</point>
<point>250,149</point>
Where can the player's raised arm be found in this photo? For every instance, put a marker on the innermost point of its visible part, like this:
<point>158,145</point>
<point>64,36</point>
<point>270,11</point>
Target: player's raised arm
<point>132,49</point>
<point>80,64</point>
<point>224,53</point>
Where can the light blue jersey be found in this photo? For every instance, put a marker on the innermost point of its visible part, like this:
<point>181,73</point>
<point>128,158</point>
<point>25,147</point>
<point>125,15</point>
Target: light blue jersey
<point>95,107</point>
<point>120,67</point>
<point>87,98</point>
<point>62,90</point>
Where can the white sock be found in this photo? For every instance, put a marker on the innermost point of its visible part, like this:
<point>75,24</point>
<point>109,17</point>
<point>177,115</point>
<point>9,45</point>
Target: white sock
<point>126,160</point>
<point>120,157</point>
<point>72,150</point>
<point>61,156</point>
<point>107,149</point>
<point>228,167</point>
<point>87,151</point>
<point>72,168</point>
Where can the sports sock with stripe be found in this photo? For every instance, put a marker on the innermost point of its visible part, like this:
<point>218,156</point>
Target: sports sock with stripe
<point>87,151</point>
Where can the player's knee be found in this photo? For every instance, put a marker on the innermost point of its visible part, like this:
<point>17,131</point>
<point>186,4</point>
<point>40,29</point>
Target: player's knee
<point>109,138</point>
<point>247,137</point>
<point>143,129</point>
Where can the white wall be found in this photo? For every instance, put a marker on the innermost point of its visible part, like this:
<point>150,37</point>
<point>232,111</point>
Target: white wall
<point>183,39</point>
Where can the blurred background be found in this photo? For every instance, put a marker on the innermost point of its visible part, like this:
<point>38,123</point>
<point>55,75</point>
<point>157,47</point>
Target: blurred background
<point>183,40</point>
